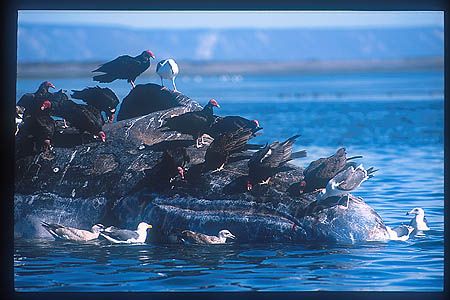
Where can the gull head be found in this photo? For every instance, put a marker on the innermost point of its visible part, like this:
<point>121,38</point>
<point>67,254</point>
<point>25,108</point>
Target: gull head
<point>226,234</point>
<point>416,211</point>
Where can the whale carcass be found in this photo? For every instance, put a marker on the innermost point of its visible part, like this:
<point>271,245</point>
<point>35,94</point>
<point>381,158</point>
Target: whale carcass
<point>112,183</point>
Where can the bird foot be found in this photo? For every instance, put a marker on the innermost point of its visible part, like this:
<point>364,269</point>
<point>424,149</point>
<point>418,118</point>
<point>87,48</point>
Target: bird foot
<point>346,206</point>
<point>318,190</point>
<point>265,181</point>
<point>218,169</point>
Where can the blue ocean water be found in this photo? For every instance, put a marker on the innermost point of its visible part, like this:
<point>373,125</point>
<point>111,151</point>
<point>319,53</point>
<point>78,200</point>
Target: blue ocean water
<point>395,120</point>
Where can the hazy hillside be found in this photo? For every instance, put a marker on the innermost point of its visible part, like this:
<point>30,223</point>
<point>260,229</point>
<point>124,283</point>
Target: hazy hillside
<point>45,43</point>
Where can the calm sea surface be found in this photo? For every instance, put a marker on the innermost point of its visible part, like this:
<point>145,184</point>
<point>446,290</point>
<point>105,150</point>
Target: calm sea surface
<point>395,120</point>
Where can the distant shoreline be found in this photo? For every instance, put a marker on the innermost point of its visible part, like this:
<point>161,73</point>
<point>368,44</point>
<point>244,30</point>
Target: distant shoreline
<point>191,68</point>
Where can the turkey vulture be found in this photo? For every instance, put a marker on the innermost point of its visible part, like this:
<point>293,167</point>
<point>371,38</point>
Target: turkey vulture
<point>173,162</point>
<point>167,69</point>
<point>270,160</point>
<point>102,98</point>
<point>319,172</point>
<point>85,118</point>
<point>124,67</point>
<point>32,102</point>
<point>230,124</point>
<point>193,123</point>
<point>224,145</point>
<point>37,128</point>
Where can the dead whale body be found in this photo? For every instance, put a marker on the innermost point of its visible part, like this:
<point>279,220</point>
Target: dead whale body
<point>113,183</point>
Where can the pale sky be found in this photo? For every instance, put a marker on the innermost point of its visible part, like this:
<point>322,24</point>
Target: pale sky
<point>234,19</point>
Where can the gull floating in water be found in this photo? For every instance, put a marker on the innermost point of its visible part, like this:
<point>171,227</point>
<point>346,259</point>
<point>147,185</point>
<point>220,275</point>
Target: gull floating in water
<point>60,232</point>
<point>200,238</point>
<point>344,182</point>
<point>125,236</point>
<point>400,233</point>
<point>419,222</point>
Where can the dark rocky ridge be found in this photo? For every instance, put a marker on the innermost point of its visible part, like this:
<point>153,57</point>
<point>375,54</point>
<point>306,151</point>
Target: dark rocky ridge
<point>111,183</point>
<point>148,98</point>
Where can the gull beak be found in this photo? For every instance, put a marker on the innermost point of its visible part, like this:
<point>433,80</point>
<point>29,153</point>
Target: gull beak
<point>149,227</point>
<point>231,236</point>
<point>410,212</point>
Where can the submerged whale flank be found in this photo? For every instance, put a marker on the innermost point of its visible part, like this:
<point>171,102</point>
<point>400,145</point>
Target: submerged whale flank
<point>109,183</point>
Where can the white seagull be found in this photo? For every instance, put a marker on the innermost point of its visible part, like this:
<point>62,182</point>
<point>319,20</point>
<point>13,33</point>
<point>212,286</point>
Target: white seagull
<point>349,179</point>
<point>400,233</point>
<point>167,69</point>
<point>419,222</point>
<point>125,236</point>
<point>60,232</point>
<point>200,238</point>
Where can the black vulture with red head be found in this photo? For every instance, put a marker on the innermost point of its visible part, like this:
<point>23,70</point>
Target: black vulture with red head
<point>102,98</point>
<point>173,163</point>
<point>270,160</point>
<point>124,67</point>
<point>32,102</point>
<point>85,118</point>
<point>321,171</point>
<point>194,123</point>
<point>230,124</point>
<point>37,131</point>
<point>224,145</point>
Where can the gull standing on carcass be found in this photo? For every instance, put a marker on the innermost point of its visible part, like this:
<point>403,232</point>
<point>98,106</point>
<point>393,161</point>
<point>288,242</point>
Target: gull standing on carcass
<point>167,69</point>
<point>344,182</point>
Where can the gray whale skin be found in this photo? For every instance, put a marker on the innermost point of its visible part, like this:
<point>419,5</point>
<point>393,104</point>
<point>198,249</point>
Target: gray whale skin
<point>111,183</point>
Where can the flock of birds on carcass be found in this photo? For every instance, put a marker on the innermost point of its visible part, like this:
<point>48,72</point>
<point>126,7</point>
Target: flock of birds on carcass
<point>336,175</point>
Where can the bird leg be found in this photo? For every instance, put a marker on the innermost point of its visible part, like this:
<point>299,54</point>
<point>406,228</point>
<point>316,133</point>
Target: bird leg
<point>346,206</point>
<point>132,83</point>
<point>174,87</point>
<point>265,181</point>
<point>219,169</point>
<point>196,143</point>
<point>65,124</point>
<point>162,84</point>
<point>318,190</point>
